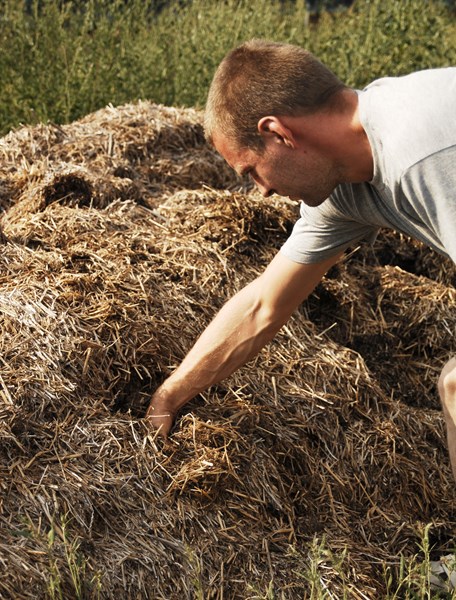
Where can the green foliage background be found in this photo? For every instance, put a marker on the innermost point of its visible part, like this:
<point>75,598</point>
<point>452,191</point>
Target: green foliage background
<point>61,60</point>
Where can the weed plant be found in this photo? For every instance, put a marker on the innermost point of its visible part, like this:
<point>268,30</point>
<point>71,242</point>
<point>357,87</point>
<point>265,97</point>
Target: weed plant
<point>62,60</point>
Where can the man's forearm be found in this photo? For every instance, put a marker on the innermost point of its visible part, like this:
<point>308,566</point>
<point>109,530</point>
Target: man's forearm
<point>241,328</point>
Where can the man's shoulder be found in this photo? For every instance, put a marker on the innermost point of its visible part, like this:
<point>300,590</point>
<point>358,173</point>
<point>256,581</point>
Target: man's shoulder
<point>417,80</point>
<point>425,98</point>
<point>409,118</point>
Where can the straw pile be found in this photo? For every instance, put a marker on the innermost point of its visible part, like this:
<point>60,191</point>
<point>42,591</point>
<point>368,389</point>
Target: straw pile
<point>122,235</point>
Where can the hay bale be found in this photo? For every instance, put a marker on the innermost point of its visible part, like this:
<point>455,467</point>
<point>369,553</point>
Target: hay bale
<point>104,287</point>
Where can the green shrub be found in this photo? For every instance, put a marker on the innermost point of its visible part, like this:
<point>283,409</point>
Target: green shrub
<point>61,60</point>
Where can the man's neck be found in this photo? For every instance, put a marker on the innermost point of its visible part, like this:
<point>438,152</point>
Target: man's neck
<point>337,132</point>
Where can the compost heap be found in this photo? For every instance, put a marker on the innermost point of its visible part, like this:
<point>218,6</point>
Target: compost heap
<point>123,234</point>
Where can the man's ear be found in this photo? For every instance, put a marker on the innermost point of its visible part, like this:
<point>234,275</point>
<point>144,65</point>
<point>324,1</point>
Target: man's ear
<point>272,127</point>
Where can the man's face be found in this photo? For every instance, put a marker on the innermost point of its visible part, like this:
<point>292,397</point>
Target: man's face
<point>297,173</point>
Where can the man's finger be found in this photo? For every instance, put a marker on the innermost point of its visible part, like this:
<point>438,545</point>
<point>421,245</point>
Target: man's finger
<point>160,420</point>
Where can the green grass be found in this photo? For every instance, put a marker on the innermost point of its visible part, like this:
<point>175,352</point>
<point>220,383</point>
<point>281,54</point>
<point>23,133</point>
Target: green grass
<point>327,575</point>
<point>65,566</point>
<point>62,60</point>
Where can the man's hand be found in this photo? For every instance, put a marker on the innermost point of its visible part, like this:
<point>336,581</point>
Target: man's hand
<point>160,415</point>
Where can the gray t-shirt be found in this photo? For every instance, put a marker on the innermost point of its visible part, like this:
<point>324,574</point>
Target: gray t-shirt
<point>411,125</point>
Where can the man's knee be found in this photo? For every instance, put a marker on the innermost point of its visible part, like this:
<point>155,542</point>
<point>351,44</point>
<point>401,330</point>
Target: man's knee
<point>447,383</point>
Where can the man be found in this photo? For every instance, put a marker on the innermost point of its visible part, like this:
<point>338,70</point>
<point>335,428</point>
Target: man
<point>358,160</point>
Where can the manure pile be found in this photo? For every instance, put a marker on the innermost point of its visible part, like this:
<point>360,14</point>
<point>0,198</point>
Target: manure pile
<point>123,233</point>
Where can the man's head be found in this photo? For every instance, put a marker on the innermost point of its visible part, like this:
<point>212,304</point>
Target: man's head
<point>262,78</point>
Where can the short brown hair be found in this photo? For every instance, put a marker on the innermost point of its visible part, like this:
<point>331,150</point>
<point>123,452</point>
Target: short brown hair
<point>261,78</point>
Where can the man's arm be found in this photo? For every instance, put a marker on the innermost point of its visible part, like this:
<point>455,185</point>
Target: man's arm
<point>246,323</point>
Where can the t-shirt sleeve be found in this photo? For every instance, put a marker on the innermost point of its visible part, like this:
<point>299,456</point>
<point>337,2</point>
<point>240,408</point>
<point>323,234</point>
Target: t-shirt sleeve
<point>324,231</point>
<point>429,200</point>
